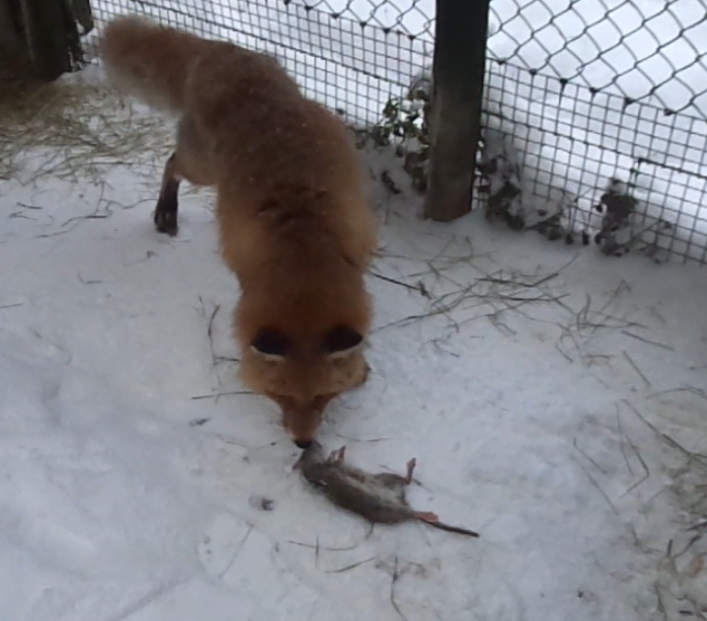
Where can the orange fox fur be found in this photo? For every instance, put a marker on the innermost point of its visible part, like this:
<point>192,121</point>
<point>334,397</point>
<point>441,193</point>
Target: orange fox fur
<point>294,223</point>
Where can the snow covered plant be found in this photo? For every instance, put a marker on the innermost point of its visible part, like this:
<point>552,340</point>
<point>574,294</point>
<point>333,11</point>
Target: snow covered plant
<point>404,125</point>
<point>619,230</point>
<point>500,172</point>
<point>617,207</point>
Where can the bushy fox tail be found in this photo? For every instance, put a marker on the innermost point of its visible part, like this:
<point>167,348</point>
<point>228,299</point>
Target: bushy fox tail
<point>149,61</point>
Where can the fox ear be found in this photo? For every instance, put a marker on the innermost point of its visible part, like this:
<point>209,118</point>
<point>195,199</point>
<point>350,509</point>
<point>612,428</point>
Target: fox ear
<point>342,341</point>
<point>270,343</point>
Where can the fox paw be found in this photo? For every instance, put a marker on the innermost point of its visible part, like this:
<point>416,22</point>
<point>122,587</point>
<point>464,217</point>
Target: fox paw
<point>166,222</point>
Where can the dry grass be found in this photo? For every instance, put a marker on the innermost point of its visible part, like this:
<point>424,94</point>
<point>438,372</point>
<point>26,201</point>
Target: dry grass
<point>76,130</point>
<point>488,294</point>
<point>682,567</point>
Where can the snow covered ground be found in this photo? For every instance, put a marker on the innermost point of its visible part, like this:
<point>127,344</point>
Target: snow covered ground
<point>555,400</point>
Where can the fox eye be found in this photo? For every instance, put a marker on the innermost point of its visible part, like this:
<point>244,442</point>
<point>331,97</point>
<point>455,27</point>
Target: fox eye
<point>341,340</point>
<point>270,342</point>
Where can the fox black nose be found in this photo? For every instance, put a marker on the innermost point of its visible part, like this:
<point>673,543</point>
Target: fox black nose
<point>303,444</point>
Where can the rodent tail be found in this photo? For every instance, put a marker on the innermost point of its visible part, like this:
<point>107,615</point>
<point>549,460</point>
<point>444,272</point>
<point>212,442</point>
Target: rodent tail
<point>432,520</point>
<point>454,529</point>
<point>149,61</point>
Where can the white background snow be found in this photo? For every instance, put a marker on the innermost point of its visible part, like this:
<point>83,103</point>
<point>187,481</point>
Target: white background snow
<point>550,395</point>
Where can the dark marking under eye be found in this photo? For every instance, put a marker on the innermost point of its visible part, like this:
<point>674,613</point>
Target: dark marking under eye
<point>342,338</point>
<point>271,342</point>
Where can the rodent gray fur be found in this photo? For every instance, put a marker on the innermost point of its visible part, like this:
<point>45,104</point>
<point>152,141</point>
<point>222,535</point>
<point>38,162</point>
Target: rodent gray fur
<point>380,498</point>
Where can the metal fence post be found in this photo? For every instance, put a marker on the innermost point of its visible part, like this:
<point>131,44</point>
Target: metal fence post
<point>461,28</point>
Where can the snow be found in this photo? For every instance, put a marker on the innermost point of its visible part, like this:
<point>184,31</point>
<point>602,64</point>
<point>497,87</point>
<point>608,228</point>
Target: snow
<point>132,470</point>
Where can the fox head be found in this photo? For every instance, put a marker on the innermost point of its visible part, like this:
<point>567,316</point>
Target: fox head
<point>304,314</point>
<point>302,375</point>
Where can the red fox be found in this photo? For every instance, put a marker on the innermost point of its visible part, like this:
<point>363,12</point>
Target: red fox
<point>294,221</point>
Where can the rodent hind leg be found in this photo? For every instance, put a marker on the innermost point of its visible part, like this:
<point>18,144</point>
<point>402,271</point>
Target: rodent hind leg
<point>390,479</point>
<point>167,208</point>
<point>410,469</point>
<point>337,455</point>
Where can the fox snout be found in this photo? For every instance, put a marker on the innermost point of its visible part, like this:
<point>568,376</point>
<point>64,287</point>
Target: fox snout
<point>302,420</point>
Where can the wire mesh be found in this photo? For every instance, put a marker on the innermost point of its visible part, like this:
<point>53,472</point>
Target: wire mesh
<point>585,100</point>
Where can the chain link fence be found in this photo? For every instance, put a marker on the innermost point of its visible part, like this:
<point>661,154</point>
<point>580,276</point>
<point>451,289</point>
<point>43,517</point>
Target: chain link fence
<point>595,112</point>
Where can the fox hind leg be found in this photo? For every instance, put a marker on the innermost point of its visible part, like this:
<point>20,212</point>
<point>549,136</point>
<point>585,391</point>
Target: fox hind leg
<point>167,207</point>
<point>191,161</point>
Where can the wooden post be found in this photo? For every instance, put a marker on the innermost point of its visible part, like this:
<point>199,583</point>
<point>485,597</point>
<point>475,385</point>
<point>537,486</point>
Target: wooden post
<point>461,30</point>
<point>14,57</point>
<point>83,14</point>
<point>52,37</point>
<point>10,39</point>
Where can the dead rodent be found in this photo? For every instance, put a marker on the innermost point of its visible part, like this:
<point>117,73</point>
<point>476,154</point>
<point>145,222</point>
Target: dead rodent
<point>377,497</point>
